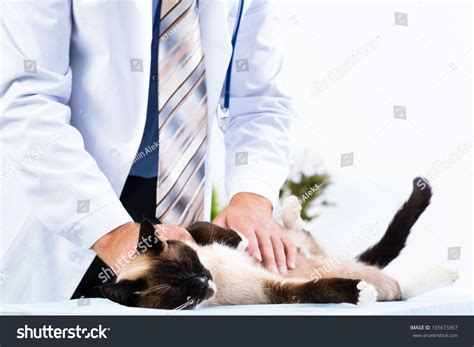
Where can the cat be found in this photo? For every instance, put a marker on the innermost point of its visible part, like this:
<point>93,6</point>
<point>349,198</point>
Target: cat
<point>216,270</point>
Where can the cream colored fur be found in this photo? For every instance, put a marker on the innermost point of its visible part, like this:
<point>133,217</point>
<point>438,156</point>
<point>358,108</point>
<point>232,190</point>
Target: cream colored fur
<point>239,280</point>
<point>135,269</point>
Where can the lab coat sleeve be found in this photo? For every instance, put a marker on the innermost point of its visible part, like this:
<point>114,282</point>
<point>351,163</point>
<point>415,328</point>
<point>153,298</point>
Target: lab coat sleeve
<point>65,189</point>
<point>257,135</point>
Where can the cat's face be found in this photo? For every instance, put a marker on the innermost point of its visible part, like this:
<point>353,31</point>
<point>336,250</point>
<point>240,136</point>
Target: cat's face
<point>167,275</point>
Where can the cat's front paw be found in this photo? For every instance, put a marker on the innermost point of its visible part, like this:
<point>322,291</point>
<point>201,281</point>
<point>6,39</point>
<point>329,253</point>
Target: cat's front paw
<point>367,293</point>
<point>291,212</point>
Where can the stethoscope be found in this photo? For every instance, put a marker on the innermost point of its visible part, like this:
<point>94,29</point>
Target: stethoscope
<point>222,111</point>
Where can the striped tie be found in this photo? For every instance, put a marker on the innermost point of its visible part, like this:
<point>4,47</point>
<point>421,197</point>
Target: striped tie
<point>182,105</point>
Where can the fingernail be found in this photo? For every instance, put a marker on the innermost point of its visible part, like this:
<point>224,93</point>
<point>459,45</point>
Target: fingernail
<point>291,265</point>
<point>258,257</point>
<point>272,268</point>
<point>282,270</point>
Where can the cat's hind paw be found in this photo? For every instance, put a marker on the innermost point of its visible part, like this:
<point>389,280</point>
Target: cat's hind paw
<point>445,275</point>
<point>440,276</point>
<point>367,293</point>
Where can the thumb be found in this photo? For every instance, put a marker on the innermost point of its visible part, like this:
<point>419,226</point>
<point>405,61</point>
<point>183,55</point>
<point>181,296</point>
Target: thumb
<point>221,220</point>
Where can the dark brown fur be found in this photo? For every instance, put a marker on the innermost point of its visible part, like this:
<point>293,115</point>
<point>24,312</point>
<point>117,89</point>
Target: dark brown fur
<point>176,276</point>
<point>394,239</point>
<point>206,233</point>
<point>332,290</point>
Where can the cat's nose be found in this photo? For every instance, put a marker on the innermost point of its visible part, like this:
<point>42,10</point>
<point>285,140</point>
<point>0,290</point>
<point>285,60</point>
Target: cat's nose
<point>202,282</point>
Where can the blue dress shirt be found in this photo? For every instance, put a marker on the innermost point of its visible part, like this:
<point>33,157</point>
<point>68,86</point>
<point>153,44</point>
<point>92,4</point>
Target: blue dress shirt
<point>147,165</point>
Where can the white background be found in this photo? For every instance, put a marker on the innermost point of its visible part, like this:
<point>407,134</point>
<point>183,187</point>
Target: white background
<point>424,66</point>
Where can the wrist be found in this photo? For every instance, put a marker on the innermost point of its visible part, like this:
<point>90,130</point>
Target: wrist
<point>251,200</point>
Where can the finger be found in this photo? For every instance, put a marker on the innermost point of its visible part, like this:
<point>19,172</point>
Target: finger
<point>279,252</point>
<point>249,233</point>
<point>173,232</point>
<point>161,230</point>
<point>266,248</point>
<point>221,220</point>
<point>290,251</point>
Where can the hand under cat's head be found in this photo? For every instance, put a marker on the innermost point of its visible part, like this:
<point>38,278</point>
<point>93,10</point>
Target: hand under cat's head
<point>164,274</point>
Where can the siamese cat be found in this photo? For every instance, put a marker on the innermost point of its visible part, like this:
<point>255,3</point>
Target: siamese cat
<point>216,270</point>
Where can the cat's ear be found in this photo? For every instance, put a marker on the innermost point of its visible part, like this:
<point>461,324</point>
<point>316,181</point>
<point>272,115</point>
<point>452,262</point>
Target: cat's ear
<point>148,238</point>
<point>123,293</point>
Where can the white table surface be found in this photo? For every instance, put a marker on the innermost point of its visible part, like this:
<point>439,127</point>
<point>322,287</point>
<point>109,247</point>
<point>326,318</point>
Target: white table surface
<point>445,301</point>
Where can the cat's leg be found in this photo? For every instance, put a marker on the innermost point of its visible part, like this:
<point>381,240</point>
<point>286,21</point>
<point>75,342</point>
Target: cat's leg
<point>329,290</point>
<point>205,233</point>
<point>437,277</point>
<point>388,289</point>
<point>291,213</point>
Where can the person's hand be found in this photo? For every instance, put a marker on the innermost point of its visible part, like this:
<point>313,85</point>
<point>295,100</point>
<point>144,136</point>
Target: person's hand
<point>172,232</point>
<point>251,215</point>
<point>119,246</point>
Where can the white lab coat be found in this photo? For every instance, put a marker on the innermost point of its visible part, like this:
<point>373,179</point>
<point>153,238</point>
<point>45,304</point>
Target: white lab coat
<point>73,114</point>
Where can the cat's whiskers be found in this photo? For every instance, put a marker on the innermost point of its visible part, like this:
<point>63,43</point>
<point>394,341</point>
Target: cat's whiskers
<point>231,238</point>
<point>155,288</point>
<point>213,229</point>
<point>186,304</point>
<point>172,250</point>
